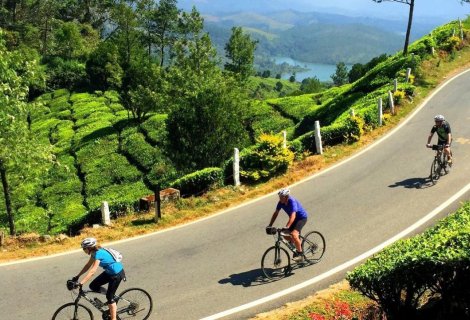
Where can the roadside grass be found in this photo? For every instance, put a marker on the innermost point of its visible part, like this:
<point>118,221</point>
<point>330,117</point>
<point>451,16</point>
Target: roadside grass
<point>321,305</point>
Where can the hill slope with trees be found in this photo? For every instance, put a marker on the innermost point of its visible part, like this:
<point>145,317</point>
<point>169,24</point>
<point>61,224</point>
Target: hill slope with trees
<point>138,108</point>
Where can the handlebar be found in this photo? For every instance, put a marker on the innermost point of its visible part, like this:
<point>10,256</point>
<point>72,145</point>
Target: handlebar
<point>436,147</point>
<point>274,230</point>
<point>71,285</point>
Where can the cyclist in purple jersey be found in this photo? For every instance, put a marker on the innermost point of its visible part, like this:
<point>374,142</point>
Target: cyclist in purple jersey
<point>297,219</point>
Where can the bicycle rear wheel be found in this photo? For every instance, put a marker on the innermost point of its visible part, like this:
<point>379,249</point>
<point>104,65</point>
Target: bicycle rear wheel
<point>69,312</point>
<point>313,246</point>
<point>134,303</point>
<point>435,171</point>
<point>275,263</point>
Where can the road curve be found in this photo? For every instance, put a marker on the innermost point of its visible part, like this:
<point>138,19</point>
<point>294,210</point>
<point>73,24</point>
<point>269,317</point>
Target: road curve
<point>202,269</point>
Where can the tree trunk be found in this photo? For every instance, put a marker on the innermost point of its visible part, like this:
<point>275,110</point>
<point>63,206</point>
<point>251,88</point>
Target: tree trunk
<point>6,194</point>
<point>408,29</point>
<point>158,204</point>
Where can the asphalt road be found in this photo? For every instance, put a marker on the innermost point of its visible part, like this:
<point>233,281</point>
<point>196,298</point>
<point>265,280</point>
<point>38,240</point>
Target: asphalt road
<point>203,269</point>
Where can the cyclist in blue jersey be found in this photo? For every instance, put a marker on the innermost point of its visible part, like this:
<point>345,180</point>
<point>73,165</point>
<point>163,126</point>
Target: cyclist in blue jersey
<point>444,135</point>
<point>113,272</point>
<point>297,219</point>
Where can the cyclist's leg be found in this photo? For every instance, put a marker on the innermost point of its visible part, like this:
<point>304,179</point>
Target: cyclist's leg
<point>295,232</point>
<point>99,281</point>
<point>114,283</point>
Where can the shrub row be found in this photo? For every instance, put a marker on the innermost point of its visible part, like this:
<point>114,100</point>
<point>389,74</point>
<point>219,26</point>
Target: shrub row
<point>199,181</point>
<point>426,273</point>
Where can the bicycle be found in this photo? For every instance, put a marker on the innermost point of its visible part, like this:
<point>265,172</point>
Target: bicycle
<point>439,165</point>
<point>275,262</point>
<point>133,303</point>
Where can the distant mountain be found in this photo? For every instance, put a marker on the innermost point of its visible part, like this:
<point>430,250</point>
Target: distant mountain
<point>311,37</point>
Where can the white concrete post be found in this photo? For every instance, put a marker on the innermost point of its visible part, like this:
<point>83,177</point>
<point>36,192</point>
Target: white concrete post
<point>284,137</point>
<point>105,219</point>
<point>433,51</point>
<point>236,167</point>
<point>379,107</point>
<point>461,29</point>
<point>408,74</point>
<point>318,143</point>
<point>395,85</point>
<point>351,112</point>
<point>391,103</point>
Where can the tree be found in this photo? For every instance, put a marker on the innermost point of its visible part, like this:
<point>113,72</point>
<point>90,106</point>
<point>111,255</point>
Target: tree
<point>311,85</point>
<point>147,90</point>
<point>240,51</point>
<point>340,77</point>
<point>159,21</point>
<point>208,108</point>
<point>411,3</point>
<point>19,152</point>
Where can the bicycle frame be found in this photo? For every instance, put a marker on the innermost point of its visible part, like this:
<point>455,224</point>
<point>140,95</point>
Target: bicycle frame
<point>102,308</point>
<point>439,163</point>
<point>83,294</point>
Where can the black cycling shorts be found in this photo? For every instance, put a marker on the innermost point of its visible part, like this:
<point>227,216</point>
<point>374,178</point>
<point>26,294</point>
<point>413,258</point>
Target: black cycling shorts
<point>113,283</point>
<point>298,225</point>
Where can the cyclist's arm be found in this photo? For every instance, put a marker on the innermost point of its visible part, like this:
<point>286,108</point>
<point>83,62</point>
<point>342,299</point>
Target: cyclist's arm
<point>274,217</point>
<point>430,137</point>
<point>449,138</point>
<point>86,267</point>
<point>291,219</point>
<point>91,271</point>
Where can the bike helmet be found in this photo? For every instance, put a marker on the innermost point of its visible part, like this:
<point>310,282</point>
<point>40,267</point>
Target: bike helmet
<point>89,243</point>
<point>284,192</point>
<point>439,117</point>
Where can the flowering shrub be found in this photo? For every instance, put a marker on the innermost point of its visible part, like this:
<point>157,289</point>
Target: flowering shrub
<point>398,96</point>
<point>336,310</point>
<point>267,158</point>
<point>452,44</point>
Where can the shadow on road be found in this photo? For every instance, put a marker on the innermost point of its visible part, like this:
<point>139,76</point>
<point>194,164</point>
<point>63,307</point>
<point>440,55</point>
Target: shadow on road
<point>417,183</point>
<point>256,277</point>
<point>247,279</point>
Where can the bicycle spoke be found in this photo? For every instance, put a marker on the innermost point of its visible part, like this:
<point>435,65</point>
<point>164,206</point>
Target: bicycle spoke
<point>275,263</point>
<point>71,312</point>
<point>313,246</point>
<point>134,304</point>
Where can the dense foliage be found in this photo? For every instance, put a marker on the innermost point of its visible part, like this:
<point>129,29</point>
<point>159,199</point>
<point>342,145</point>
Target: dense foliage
<point>141,106</point>
<point>424,277</point>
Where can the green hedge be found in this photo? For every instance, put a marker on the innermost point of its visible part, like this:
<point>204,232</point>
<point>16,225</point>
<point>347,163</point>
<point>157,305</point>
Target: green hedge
<point>199,181</point>
<point>435,265</point>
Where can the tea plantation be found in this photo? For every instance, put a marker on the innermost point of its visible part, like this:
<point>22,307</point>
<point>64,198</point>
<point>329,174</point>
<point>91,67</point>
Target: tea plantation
<point>103,154</point>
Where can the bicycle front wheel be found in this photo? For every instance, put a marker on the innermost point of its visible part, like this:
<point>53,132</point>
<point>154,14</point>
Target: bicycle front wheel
<point>70,311</point>
<point>275,263</point>
<point>435,171</point>
<point>313,246</point>
<point>134,304</point>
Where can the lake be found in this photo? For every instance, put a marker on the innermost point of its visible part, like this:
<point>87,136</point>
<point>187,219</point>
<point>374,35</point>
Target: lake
<point>322,71</point>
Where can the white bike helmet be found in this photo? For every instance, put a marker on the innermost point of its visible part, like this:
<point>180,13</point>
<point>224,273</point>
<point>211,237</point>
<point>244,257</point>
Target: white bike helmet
<point>439,117</point>
<point>89,243</point>
<point>284,192</point>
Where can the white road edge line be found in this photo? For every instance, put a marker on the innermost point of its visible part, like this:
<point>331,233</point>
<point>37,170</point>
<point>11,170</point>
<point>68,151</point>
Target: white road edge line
<point>345,265</point>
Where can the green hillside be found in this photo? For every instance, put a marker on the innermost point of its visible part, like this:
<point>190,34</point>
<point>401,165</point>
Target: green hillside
<point>103,154</point>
